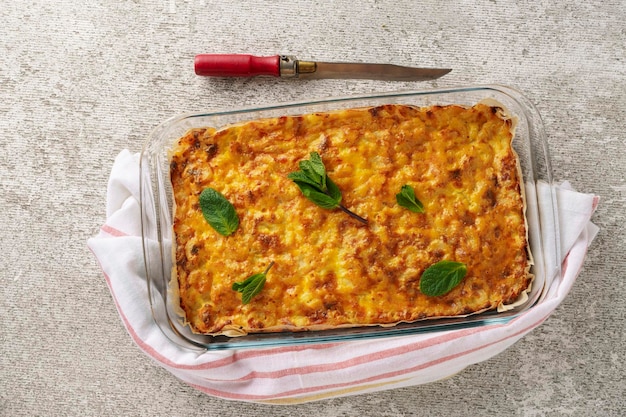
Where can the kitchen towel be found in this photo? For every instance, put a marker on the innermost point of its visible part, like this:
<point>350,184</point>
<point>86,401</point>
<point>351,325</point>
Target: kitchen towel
<point>310,372</point>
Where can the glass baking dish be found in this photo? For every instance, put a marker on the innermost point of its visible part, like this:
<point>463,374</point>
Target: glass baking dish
<point>156,212</point>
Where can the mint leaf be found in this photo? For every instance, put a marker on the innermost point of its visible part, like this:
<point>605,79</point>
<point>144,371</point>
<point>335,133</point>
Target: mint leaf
<point>317,165</point>
<point>333,190</point>
<point>301,177</point>
<point>318,168</point>
<point>314,171</point>
<point>218,212</point>
<point>318,197</point>
<point>306,169</point>
<point>252,285</point>
<point>406,198</point>
<point>317,186</point>
<point>442,277</point>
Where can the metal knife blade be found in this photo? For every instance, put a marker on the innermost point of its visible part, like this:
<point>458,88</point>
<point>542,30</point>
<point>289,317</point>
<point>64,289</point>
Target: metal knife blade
<point>384,72</point>
<point>285,66</point>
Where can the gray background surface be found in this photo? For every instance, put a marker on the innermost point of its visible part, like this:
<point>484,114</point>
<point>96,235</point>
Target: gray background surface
<point>80,81</point>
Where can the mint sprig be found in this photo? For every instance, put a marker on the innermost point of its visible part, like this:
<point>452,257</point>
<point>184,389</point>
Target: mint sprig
<point>318,187</point>
<point>442,277</point>
<point>218,212</point>
<point>406,198</point>
<point>252,285</point>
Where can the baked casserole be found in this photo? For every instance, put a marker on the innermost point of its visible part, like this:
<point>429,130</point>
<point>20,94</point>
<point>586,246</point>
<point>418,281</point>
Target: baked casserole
<point>328,269</point>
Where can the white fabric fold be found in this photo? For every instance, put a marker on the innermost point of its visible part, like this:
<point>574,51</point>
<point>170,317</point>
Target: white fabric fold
<point>295,374</point>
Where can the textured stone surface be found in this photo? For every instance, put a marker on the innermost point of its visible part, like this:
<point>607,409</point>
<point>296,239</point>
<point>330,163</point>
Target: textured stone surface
<point>79,81</point>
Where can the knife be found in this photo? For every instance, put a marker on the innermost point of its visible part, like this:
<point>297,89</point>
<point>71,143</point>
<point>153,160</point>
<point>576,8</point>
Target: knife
<point>287,66</point>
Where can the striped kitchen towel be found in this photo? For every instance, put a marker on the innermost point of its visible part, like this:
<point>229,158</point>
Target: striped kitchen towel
<point>309,372</point>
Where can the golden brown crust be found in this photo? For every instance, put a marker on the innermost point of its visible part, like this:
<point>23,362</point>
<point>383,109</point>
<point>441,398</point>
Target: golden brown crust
<point>331,271</point>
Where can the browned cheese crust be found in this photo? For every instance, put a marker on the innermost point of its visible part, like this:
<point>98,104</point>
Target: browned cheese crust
<point>330,270</point>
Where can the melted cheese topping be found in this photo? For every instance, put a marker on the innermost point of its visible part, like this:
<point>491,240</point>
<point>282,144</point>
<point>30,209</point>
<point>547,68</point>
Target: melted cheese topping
<point>331,270</point>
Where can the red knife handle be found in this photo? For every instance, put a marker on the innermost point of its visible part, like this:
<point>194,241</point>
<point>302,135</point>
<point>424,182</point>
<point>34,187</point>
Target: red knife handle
<point>236,65</point>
